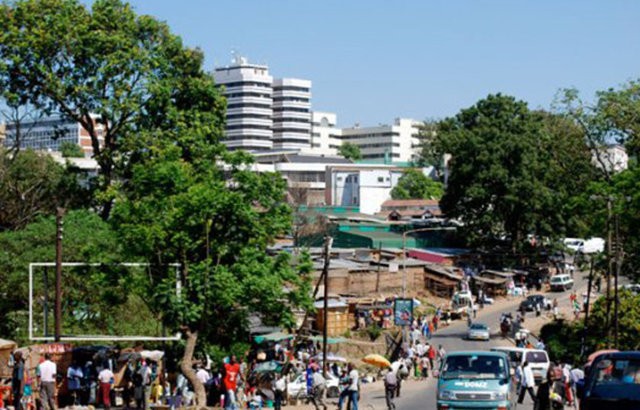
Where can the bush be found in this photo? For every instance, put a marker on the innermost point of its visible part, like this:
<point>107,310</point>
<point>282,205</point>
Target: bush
<point>374,332</point>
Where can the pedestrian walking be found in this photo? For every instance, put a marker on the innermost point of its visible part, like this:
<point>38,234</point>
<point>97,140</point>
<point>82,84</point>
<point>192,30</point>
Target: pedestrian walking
<point>279,389</point>
<point>47,371</point>
<point>390,384</point>
<point>319,384</point>
<point>17,380</point>
<point>106,380</point>
<point>230,382</point>
<point>475,310</point>
<point>424,367</point>
<point>527,384</point>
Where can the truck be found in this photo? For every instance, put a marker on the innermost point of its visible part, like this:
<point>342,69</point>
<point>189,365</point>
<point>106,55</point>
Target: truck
<point>476,380</point>
<point>585,246</point>
<point>460,304</point>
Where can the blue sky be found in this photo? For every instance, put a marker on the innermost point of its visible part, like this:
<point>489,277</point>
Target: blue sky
<point>372,61</point>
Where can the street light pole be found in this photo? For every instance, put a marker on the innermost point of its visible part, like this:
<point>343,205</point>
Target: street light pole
<point>58,300</point>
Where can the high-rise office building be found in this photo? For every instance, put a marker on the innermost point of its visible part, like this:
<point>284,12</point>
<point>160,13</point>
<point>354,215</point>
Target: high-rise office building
<point>48,133</point>
<point>386,143</point>
<point>291,113</point>
<point>248,88</point>
<point>263,112</point>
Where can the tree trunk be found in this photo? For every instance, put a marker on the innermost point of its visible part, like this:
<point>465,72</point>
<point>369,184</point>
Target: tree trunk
<point>187,368</point>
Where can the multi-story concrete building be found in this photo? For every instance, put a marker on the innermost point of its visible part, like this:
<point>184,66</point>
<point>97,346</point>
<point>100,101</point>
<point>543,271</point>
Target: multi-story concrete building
<point>325,136</point>
<point>48,133</point>
<point>249,92</point>
<point>264,113</point>
<point>386,143</point>
<point>291,113</point>
<point>364,186</point>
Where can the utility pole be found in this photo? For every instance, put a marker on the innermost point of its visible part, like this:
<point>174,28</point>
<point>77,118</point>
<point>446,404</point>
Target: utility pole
<point>615,283</point>
<point>379,265</point>
<point>585,330</point>
<point>46,301</point>
<point>609,270</point>
<point>58,308</point>
<point>328,241</point>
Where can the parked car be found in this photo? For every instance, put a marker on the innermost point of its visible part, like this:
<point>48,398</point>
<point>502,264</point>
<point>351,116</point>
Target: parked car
<point>478,331</point>
<point>613,382</point>
<point>529,304</point>
<point>298,387</point>
<point>561,282</point>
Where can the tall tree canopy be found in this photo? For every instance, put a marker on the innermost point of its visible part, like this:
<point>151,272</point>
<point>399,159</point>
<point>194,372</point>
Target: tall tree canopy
<point>414,184</point>
<point>87,238</point>
<point>105,68</point>
<point>33,184</point>
<point>507,169</point>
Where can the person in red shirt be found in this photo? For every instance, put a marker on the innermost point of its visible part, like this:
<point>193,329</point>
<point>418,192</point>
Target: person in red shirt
<point>230,381</point>
<point>431,354</point>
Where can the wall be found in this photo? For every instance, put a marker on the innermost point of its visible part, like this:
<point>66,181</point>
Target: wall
<point>364,283</point>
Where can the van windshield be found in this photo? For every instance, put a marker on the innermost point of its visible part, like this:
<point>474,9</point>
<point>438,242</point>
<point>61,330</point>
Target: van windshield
<point>474,367</point>
<point>616,378</point>
<point>536,357</point>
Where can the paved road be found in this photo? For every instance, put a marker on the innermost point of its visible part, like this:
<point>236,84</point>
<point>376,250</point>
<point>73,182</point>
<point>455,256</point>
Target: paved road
<point>422,394</point>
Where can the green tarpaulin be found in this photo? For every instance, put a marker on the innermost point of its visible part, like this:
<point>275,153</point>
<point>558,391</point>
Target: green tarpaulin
<point>272,337</point>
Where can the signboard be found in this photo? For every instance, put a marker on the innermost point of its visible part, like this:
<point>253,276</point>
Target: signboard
<point>403,312</point>
<point>393,267</point>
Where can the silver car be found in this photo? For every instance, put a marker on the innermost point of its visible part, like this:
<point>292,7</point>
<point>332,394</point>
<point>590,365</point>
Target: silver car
<point>478,331</point>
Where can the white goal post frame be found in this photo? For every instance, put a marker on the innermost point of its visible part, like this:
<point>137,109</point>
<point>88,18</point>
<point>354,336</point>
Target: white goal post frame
<point>97,338</point>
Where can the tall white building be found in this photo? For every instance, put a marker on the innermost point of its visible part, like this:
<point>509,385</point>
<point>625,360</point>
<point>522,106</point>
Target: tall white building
<point>386,143</point>
<point>291,113</point>
<point>249,91</point>
<point>48,133</point>
<point>325,136</point>
<point>264,113</point>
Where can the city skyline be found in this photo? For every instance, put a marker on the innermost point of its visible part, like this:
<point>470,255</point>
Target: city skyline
<point>417,60</point>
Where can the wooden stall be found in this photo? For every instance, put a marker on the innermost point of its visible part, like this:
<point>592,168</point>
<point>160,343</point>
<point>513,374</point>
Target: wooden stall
<point>337,316</point>
<point>442,281</point>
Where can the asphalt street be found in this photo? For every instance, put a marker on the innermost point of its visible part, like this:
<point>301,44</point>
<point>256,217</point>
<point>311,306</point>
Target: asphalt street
<point>422,394</point>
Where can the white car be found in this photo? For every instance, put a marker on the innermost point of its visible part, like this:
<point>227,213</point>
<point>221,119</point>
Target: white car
<point>561,282</point>
<point>297,388</point>
<point>478,331</point>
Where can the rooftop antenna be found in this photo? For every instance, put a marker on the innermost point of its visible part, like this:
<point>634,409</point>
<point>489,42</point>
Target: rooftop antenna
<point>237,58</point>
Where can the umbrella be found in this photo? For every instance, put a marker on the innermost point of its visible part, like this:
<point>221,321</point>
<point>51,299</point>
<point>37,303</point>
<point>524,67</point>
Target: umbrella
<point>376,360</point>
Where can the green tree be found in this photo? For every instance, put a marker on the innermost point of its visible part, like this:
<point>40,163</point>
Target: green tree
<point>70,150</point>
<point>182,205</point>
<point>32,184</point>
<point>350,151</point>
<point>564,340</point>
<point>507,170</point>
<point>87,238</point>
<point>414,184</point>
<point>105,68</point>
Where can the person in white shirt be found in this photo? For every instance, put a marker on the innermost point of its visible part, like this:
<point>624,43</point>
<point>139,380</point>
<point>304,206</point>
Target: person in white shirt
<point>106,379</point>
<point>47,372</point>
<point>202,375</point>
<point>353,387</point>
<point>528,383</point>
